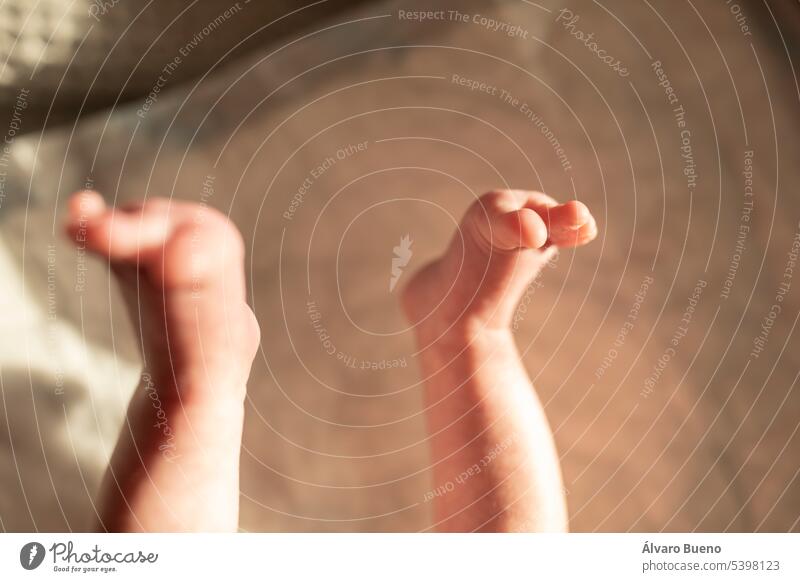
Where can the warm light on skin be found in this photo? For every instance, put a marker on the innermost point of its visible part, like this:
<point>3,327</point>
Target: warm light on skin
<point>488,432</point>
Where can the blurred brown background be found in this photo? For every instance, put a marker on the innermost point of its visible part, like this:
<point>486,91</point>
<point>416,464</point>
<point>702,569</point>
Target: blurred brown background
<point>706,439</point>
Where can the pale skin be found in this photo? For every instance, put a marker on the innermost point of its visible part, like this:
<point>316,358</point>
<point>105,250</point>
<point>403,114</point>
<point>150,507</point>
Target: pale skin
<point>181,269</point>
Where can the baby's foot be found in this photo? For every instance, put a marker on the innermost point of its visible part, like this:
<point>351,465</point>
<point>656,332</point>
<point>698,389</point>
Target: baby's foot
<point>180,267</point>
<point>478,397</point>
<point>504,240</point>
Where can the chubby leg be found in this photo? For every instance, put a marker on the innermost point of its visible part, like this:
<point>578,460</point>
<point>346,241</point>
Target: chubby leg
<point>180,267</point>
<point>494,461</point>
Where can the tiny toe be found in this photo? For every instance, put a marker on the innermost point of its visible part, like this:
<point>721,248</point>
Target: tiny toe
<point>202,253</point>
<point>523,229</point>
<point>84,205</point>
<point>503,225</point>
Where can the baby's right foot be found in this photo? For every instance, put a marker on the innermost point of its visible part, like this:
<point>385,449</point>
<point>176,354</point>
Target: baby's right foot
<point>504,240</point>
<point>491,448</point>
<point>180,267</point>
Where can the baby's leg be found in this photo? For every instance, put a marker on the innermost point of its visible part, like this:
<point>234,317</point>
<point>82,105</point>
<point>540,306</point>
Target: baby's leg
<point>180,266</point>
<point>495,466</point>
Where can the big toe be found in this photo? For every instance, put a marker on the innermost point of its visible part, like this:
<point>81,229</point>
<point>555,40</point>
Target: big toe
<point>176,243</point>
<point>570,224</point>
<point>119,234</point>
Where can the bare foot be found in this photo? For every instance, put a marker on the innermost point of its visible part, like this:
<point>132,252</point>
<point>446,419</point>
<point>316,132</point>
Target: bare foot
<point>494,463</point>
<point>180,267</point>
<point>505,239</point>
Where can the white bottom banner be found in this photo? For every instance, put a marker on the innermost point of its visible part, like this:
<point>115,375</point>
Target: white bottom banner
<point>386,557</point>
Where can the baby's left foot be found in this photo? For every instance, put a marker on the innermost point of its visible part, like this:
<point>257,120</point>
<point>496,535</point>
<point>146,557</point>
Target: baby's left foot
<point>181,270</point>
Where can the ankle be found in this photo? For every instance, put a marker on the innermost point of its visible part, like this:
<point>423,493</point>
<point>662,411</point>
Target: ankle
<point>468,336</point>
